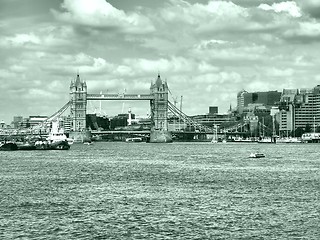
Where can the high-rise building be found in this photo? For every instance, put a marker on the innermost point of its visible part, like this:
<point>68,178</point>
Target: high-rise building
<point>268,99</point>
<point>240,100</point>
<point>17,121</point>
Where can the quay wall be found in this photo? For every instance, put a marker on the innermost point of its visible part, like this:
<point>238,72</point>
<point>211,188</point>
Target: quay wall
<point>160,136</point>
<point>83,136</point>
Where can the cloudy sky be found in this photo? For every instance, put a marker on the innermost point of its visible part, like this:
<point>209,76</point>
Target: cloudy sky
<point>207,50</point>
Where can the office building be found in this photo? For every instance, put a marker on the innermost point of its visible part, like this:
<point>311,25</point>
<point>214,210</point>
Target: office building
<point>36,120</point>
<point>299,108</point>
<point>17,122</point>
<point>213,110</point>
<point>268,99</point>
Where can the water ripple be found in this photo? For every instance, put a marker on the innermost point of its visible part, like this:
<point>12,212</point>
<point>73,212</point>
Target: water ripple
<point>161,191</point>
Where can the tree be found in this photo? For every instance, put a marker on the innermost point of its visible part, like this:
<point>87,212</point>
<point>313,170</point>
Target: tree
<point>308,128</point>
<point>298,132</point>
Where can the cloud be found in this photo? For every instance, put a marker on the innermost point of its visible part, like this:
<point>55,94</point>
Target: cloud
<point>182,11</point>
<point>311,7</point>
<point>45,38</point>
<point>288,7</point>
<point>209,49</point>
<point>202,17</point>
<point>101,14</point>
<point>276,72</point>
<point>20,40</point>
<point>305,32</point>
<point>172,65</point>
<point>231,53</point>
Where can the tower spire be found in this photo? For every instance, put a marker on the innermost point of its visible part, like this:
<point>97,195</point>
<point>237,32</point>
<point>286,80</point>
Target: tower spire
<point>78,81</point>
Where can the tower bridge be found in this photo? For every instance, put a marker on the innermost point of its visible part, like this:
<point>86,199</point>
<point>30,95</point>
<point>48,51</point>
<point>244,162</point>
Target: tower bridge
<point>157,96</point>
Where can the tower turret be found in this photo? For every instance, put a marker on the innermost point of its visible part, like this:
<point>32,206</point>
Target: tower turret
<point>78,107</point>
<point>159,106</point>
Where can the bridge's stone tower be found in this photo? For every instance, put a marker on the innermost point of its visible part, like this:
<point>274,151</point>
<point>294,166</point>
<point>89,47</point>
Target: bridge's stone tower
<point>159,105</point>
<point>78,104</point>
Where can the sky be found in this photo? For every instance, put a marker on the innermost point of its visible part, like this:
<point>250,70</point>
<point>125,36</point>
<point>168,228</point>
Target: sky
<point>207,51</point>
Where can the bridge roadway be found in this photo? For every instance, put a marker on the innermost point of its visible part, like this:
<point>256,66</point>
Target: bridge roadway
<point>117,132</point>
<point>120,96</point>
<point>95,132</point>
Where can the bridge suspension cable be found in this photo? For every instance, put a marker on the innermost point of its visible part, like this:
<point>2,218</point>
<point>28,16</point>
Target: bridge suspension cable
<point>185,118</point>
<point>58,113</point>
<point>52,117</point>
<point>236,127</point>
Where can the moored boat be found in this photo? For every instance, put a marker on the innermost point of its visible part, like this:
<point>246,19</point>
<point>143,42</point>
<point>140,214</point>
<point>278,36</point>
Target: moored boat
<point>8,146</point>
<point>256,155</point>
<point>214,141</point>
<point>56,140</point>
<point>47,145</point>
<point>243,140</point>
<point>62,145</point>
<point>310,137</point>
<point>26,146</point>
<point>134,139</point>
<point>267,140</point>
<point>289,140</point>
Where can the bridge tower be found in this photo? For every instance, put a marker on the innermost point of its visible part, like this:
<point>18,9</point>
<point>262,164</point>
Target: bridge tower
<point>159,105</point>
<point>78,104</point>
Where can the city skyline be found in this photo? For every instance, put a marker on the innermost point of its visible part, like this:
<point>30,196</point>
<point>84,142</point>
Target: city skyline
<point>207,50</point>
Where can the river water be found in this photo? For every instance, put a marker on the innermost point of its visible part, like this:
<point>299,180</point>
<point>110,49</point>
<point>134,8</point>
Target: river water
<point>123,190</point>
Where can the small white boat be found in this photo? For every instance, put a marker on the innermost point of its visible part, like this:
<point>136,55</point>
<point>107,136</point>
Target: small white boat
<point>256,155</point>
<point>134,139</point>
<point>289,140</point>
<point>267,140</point>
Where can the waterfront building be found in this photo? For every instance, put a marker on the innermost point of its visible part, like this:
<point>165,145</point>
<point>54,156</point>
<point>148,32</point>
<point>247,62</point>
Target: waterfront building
<point>213,119</point>
<point>268,99</point>
<point>25,123</point>
<point>299,109</point>
<point>286,107</point>
<point>17,121</point>
<point>253,123</point>
<point>2,124</point>
<point>213,110</point>
<point>119,122</point>
<point>36,120</point>
<point>240,101</point>
<point>65,122</point>
<point>256,108</point>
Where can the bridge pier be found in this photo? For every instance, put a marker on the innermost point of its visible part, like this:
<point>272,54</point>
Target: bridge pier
<point>80,137</point>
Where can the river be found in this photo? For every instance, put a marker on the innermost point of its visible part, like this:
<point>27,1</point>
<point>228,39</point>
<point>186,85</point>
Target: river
<point>117,190</point>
